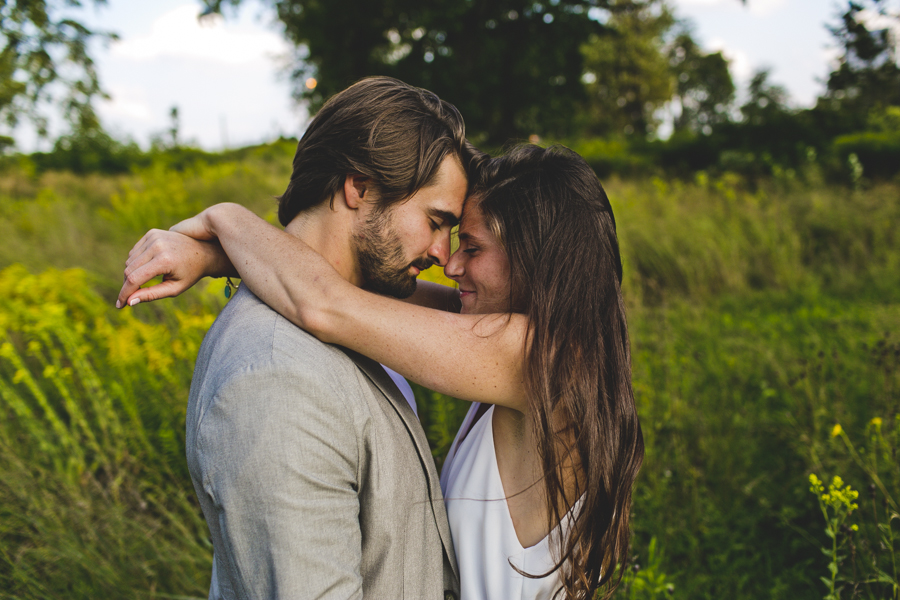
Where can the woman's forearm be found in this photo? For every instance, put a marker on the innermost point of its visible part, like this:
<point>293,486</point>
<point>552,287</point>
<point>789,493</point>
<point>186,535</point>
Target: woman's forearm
<point>472,357</point>
<point>435,295</point>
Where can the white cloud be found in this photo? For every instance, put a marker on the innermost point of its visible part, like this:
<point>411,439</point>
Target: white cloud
<point>739,62</point>
<point>128,102</point>
<point>756,7</point>
<point>700,2</point>
<point>179,34</point>
<point>764,8</point>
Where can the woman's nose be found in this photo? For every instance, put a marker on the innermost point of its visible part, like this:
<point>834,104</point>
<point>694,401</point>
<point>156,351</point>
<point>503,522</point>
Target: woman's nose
<point>455,268</point>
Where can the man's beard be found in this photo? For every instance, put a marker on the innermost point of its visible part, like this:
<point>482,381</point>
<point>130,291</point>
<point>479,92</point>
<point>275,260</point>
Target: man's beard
<point>381,258</point>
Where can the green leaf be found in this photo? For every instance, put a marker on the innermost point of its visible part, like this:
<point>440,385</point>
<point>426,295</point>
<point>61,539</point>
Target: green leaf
<point>883,577</point>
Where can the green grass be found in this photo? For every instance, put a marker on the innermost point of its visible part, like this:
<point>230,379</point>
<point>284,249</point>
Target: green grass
<point>759,316</point>
<point>738,399</point>
<point>63,220</point>
<point>95,498</point>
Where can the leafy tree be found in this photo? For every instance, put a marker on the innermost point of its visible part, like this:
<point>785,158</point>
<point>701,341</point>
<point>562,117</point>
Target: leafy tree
<point>704,88</point>
<point>765,100</point>
<point>769,133</point>
<point>885,120</point>
<point>512,67</point>
<point>45,53</point>
<point>90,151</point>
<point>867,76</point>
<point>627,74</point>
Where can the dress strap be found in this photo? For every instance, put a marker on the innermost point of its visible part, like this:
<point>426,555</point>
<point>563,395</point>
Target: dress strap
<point>479,412</point>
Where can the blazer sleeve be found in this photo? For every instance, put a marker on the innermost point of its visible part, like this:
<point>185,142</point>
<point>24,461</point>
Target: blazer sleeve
<point>280,460</point>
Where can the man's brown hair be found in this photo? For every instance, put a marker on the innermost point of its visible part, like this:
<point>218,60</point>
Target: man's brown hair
<point>395,134</point>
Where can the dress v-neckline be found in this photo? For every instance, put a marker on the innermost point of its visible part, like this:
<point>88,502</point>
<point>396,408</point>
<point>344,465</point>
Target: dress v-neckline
<point>498,480</point>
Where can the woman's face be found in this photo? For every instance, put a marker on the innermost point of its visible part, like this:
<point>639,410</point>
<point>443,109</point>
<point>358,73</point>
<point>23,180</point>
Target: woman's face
<point>479,266</point>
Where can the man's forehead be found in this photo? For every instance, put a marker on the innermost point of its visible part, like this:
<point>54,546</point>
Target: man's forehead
<point>441,202</point>
<point>446,203</point>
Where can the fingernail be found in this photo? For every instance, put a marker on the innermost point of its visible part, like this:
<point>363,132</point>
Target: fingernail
<point>134,302</point>
<point>118,304</point>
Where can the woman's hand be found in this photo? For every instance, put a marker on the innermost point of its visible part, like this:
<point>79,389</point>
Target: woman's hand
<point>183,256</point>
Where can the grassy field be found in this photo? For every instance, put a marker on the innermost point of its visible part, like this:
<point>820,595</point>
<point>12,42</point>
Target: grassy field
<point>761,317</point>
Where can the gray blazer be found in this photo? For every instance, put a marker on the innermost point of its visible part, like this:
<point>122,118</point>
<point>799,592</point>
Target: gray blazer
<point>313,473</point>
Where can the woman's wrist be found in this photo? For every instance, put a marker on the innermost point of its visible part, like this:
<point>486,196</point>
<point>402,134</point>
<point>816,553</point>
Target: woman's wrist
<point>217,262</point>
<point>221,221</point>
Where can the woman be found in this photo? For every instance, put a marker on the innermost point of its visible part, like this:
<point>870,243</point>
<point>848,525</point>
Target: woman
<point>537,486</point>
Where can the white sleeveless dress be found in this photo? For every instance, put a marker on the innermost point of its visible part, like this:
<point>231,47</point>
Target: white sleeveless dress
<point>483,533</point>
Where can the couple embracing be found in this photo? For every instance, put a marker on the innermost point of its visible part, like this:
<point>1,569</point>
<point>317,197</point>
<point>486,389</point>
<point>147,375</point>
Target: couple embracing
<point>312,470</point>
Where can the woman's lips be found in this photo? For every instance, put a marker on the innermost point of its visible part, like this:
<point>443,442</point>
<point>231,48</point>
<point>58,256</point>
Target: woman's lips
<point>464,293</point>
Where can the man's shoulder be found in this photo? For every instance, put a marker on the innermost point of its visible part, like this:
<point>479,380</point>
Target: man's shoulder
<point>249,335</point>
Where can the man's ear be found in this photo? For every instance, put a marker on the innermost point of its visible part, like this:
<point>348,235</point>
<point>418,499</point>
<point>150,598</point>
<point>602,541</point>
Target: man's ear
<point>356,190</point>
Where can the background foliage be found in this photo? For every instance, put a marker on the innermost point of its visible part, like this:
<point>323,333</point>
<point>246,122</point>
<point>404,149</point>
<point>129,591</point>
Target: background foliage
<point>762,265</point>
<point>761,314</point>
<point>45,58</point>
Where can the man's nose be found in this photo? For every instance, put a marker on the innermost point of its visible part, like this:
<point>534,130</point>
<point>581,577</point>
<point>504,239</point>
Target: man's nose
<point>439,251</point>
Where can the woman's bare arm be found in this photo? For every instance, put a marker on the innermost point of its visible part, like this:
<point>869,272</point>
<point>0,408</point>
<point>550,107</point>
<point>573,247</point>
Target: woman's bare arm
<point>435,295</point>
<point>472,357</point>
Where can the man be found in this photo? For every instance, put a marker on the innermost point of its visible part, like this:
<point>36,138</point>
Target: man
<point>313,473</point>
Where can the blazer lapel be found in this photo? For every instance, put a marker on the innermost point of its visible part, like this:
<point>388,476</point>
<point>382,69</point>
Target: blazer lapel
<point>383,381</point>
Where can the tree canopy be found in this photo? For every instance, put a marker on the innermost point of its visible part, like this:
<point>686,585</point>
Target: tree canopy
<point>512,67</point>
<point>867,76</point>
<point>45,59</point>
<point>704,90</point>
<point>627,74</point>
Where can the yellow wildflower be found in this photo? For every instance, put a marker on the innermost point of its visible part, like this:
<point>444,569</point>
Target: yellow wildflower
<point>815,484</point>
<point>838,430</point>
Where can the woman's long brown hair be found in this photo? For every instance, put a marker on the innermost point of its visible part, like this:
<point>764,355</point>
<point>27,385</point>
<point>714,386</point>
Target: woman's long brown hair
<point>555,222</point>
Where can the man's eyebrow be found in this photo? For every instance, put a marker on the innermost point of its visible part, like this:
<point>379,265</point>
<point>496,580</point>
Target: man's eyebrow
<point>445,215</point>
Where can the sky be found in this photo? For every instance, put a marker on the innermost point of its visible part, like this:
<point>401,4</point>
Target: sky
<point>227,76</point>
<point>787,36</point>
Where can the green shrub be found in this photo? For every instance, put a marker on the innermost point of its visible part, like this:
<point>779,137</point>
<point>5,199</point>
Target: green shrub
<point>611,156</point>
<point>878,152</point>
<point>95,499</point>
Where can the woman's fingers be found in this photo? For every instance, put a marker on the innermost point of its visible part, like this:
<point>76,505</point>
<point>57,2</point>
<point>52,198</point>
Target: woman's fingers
<point>141,243</point>
<point>139,259</point>
<point>181,260</point>
<point>181,255</point>
<point>167,289</point>
<point>136,276</point>
<point>153,241</point>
